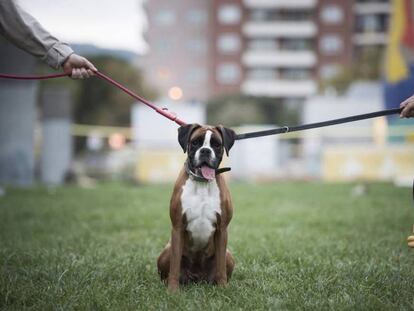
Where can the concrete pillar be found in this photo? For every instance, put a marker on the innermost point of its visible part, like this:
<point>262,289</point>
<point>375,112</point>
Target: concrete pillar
<point>57,144</point>
<point>17,117</point>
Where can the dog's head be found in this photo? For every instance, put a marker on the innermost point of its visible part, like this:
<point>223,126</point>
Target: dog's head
<point>205,146</point>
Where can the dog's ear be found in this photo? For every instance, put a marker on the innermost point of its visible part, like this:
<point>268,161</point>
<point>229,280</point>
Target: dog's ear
<point>228,136</point>
<point>184,134</point>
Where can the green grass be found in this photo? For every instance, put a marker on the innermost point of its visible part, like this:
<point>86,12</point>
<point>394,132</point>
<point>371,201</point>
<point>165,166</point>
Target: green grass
<point>297,246</point>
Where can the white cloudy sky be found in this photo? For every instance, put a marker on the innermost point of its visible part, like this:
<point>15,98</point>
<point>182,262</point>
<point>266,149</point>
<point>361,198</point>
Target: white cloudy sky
<point>106,23</point>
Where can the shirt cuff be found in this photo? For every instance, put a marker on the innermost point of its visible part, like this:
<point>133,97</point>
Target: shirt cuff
<point>58,54</point>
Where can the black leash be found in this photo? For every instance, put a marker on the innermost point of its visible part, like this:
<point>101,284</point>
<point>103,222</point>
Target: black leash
<point>288,129</point>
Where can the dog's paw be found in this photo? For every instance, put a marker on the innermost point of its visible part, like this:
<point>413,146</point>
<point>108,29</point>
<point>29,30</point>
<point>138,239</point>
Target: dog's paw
<point>173,286</point>
<point>222,282</point>
<point>410,241</point>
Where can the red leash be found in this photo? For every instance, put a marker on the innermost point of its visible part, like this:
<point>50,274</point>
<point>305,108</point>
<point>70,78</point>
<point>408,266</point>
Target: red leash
<point>14,77</point>
<point>162,111</point>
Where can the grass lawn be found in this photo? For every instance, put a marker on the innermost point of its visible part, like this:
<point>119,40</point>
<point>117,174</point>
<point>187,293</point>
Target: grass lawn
<point>297,246</point>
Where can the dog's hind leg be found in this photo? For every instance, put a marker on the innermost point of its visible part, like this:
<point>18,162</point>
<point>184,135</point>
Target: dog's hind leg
<point>230,263</point>
<point>163,262</point>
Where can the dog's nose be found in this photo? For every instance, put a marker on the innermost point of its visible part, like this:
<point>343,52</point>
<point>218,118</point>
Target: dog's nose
<point>205,151</point>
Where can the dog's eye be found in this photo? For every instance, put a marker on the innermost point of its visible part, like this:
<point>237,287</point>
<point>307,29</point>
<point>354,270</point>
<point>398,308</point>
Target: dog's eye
<point>195,143</point>
<point>215,144</point>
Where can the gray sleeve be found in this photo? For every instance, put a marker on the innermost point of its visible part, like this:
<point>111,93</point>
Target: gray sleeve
<point>25,32</point>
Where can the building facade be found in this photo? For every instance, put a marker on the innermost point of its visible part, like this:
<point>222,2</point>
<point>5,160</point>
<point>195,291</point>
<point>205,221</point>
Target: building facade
<point>178,56</point>
<point>279,49</point>
<point>279,58</point>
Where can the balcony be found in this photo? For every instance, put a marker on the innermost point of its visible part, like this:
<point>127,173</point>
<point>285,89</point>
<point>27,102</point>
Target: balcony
<point>279,4</point>
<point>306,29</point>
<point>372,8</point>
<point>279,88</point>
<point>370,38</point>
<point>293,59</point>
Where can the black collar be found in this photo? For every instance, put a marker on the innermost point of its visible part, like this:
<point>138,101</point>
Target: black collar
<point>200,178</point>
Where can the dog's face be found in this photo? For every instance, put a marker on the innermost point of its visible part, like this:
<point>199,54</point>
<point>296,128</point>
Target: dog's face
<point>205,146</point>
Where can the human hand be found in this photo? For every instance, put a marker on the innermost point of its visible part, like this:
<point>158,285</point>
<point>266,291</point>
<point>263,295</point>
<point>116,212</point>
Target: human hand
<point>408,108</point>
<point>78,67</point>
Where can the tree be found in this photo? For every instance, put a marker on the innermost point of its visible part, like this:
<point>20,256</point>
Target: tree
<point>238,109</point>
<point>96,102</point>
<point>100,103</point>
<point>367,66</point>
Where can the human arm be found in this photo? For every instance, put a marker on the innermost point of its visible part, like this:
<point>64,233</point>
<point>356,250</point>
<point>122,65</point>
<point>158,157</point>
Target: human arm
<point>25,31</point>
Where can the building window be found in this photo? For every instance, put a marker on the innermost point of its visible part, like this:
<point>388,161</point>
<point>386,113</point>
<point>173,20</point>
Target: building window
<point>197,17</point>
<point>371,23</point>
<point>295,74</point>
<point>295,44</point>
<point>164,46</point>
<point>196,76</point>
<point>331,44</point>
<point>332,14</point>
<point>197,45</point>
<point>229,14</point>
<point>228,43</point>
<point>328,71</point>
<point>262,44</point>
<point>165,17</point>
<point>261,74</point>
<point>259,15</point>
<point>228,73</point>
<point>269,15</point>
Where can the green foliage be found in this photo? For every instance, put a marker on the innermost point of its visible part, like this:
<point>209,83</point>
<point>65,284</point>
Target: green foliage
<point>97,102</point>
<point>341,81</point>
<point>297,246</point>
<point>100,103</point>
<point>237,109</point>
<point>367,66</point>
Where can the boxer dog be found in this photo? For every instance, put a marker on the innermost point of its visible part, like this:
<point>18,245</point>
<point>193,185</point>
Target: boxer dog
<point>200,211</point>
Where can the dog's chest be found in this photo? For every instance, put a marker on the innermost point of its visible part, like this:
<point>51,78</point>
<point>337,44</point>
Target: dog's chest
<point>200,204</point>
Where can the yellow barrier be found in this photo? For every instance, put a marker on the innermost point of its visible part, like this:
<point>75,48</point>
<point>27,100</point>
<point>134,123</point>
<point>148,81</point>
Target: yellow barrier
<point>343,163</point>
<point>159,166</point>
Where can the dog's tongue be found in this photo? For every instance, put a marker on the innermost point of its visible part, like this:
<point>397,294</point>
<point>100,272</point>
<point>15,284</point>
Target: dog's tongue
<point>208,173</point>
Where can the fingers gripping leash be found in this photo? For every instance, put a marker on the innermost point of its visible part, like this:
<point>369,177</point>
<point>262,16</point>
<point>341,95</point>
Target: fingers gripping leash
<point>410,240</point>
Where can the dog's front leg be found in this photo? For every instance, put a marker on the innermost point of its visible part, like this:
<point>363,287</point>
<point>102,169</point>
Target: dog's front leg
<point>175,260</point>
<point>220,254</point>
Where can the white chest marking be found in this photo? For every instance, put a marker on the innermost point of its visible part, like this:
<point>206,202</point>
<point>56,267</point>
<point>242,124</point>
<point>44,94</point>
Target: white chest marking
<point>200,203</point>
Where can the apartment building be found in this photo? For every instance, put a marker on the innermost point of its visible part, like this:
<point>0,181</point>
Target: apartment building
<point>275,48</point>
<point>178,58</point>
<point>348,29</point>
<point>279,59</point>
